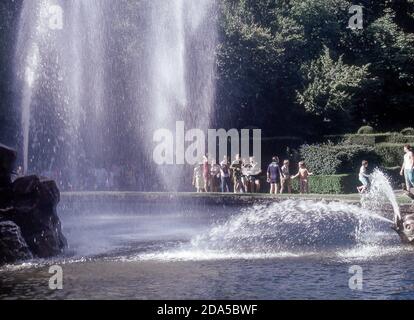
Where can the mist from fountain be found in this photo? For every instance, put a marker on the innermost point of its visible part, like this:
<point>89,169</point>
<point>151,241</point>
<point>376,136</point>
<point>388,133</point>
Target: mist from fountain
<point>92,93</point>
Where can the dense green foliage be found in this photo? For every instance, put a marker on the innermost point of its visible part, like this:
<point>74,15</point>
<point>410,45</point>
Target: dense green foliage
<point>291,68</point>
<point>330,184</point>
<point>391,154</point>
<point>329,158</point>
<point>295,67</point>
<point>383,150</point>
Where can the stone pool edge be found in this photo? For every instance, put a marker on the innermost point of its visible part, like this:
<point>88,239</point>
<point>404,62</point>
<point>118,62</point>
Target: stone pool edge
<point>214,198</point>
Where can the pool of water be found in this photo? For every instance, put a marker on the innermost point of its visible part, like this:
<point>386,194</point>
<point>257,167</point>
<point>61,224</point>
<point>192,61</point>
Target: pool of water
<point>294,249</point>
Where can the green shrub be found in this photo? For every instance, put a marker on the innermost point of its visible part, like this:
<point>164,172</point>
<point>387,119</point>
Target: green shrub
<point>391,154</point>
<point>330,184</point>
<point>396,137</point>
<point>365,139</point>
<point>329,159</point>
<point>407,131</point>
<point>351,157</point>
<point>371,139</point>
<point>320,158</point>
<point>409,140</point>
<point>366,130</point>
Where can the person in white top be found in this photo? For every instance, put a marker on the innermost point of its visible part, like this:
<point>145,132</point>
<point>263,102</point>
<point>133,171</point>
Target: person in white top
<point>407,167</point>
<point>363,177</point>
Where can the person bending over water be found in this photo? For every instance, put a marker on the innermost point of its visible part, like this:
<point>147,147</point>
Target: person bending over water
<point>273,175</point>
<point>363,177</point>
<point>303,175</point>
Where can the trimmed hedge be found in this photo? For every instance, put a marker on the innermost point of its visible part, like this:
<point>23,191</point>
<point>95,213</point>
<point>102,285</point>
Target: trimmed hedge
<point>331,159</point>
<point>330,184</point>
<point>371,139</point>
<point>366,130</point>
<point>398,138</point>
<point>391,154</point>
<point>365,139</point>
<point>320,159</point>
<point>408,131</point>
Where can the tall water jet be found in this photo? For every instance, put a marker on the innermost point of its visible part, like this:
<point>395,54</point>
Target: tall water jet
<point>182,69</point>
<point>93,88</point>
<point>58,67</point>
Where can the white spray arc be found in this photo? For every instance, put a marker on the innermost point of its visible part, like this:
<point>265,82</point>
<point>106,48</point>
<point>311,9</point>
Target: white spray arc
<point>287,229</point>
<point>380,195</point>
<point>297,228</point>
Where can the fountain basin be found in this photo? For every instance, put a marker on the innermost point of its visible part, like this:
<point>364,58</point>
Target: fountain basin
<point>136,245</point>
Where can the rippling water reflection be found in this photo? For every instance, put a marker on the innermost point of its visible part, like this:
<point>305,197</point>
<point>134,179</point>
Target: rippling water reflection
<point>287,250</point>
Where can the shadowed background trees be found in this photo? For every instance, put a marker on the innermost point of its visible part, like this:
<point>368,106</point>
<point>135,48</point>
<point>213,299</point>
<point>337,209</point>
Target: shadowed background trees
<point>295,68</point>
<point>288,67</point>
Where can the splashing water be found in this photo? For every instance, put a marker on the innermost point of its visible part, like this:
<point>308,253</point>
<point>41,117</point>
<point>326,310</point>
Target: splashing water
<point>380,195</point>
<point>287,229</point>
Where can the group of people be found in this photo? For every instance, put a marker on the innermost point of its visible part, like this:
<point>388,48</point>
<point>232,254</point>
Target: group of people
<point>242,175</point>
<point>280,178</point>
<point>239,175</point>
<point>407,171</point>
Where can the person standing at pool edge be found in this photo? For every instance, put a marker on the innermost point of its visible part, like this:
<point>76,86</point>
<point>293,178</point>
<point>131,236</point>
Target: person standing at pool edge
<point>303,175</point>
<point>407,167</point>
<point>236,166</point>
<point>286,181</point>
<point>225,175</point>
<point>273,175</point>
<point>215,176</point>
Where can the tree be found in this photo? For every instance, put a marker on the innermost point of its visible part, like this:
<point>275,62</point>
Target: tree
<point>331,85</point>
<point>273,57</point>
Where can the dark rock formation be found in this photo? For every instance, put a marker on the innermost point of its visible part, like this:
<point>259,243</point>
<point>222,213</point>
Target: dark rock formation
<point>7,159</point>
<point>12,245</point>
<point>28,204</point>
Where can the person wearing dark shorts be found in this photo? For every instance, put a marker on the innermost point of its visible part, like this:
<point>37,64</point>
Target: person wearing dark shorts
<point>273,175</point>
